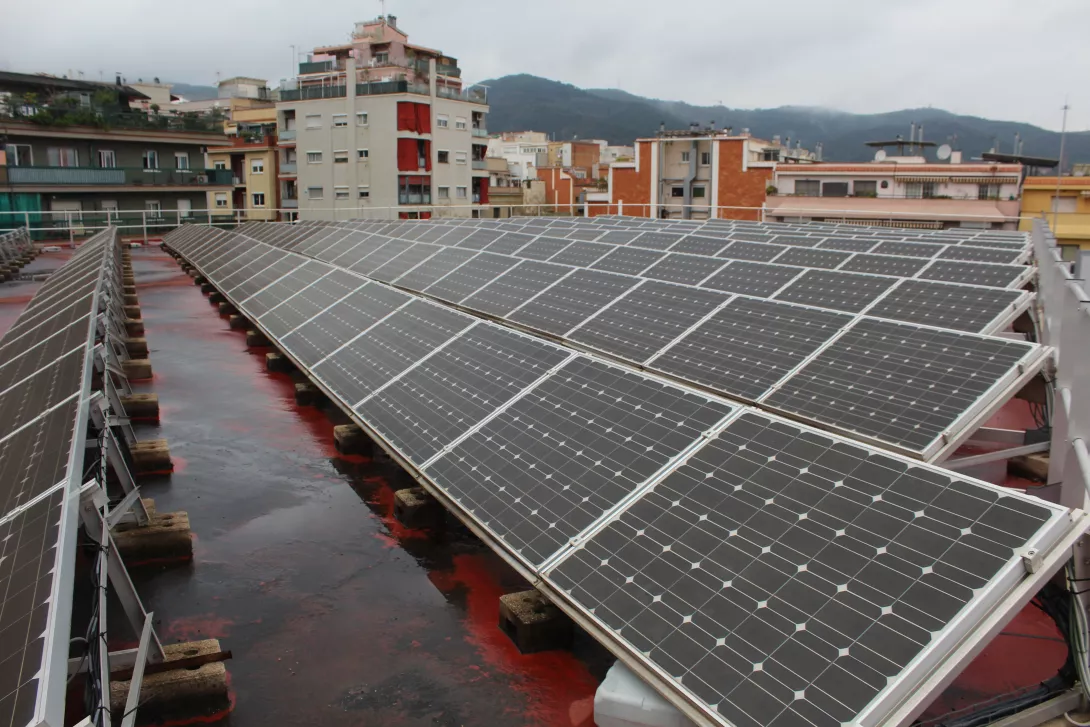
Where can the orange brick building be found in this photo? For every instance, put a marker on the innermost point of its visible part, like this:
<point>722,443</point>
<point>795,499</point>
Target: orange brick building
<point>698,174</point>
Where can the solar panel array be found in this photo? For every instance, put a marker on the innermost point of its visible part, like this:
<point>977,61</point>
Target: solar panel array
<point>45,387</point>
<point>758,570</point>
<point>13,246</point>
<point>746,346</point>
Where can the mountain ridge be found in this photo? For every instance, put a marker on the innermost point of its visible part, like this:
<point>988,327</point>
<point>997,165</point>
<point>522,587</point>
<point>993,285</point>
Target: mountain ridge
<point>525,102</point>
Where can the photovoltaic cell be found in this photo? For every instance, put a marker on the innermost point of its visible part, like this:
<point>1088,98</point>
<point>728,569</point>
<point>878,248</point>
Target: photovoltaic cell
<point>434,268</point>
<point>979,254</point>
<point>812,258</point>
<point>959,307</point>
<point>646,319</point>
<point>686,269</point>
<point>656,240</point>
<point>299,278</point>
<point>995,276</point>
<point>849,292</point>
<point>700,245</point>
<point>457,387</point>
<point>543,248</point>
<point>40,391</point>
<point>749,345</point>
<point>902,267</point>
<point>590,434</point>
<point>380,256</point>
<point>628,260</point>
<point>581,254</point>
<point>908,249</point>
<point>847,244</point>
<point>515,287</point>
<point>405,262</point>
<point>783,577</point>
<point>758,279</point>
<point>471,277</point>
<point>510,243</point>
<point>296,306</point>
<point>753,251</point>
<point>388,348</point>
<point>896,382</point>
<point>341,323</point>
<point>571,301</point>
<point>35,458</point>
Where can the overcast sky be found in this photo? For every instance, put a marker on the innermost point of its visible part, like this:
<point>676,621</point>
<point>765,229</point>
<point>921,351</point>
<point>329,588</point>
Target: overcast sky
<point>1003,59</point>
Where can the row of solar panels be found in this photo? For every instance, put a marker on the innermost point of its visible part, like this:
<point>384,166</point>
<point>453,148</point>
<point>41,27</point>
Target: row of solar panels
<point>973,265</point>
<point>398,251</point>
<point>915,389</point>
<point>45,389</point>
<point>757,571</point>
<point>14,244</point>
<point>1009,239</point>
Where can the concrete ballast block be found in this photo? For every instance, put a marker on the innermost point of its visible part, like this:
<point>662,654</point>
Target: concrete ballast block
<point>350,439</point>
<point>137,347</point>
<point>141,406</point>
<point>256,339</point>
<point>533,623</point>
<point>137,369</point>
<point>208,288</point>
<point>277,362</point>
<point>414,507</point>
<point>307,394</point>
<point>226,309</point>
<point>179,696</point>
<point>132,311</point>
<point>134,328</point>
<point>167,536</point>
<point>238,322</point>
<point>215,298</point>
<point>151,457</point>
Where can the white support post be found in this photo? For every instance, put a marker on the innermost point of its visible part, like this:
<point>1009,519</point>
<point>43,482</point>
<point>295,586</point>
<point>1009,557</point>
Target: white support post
<point>144,224</point>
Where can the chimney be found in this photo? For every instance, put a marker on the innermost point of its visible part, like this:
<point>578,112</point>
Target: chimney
<point>662,127</point>
<point>955,157</point>
<point>920,135</point>
<point>912,134</point>
<point>712,125</point>
<point>118,79</point>
<point>817,151</point>
<point>392,20</point>
<point>157,80</point>
<point>745,132</point>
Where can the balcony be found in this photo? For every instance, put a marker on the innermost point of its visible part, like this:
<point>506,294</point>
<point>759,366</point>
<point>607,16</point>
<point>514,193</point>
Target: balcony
<point>373,88</point>
<point>306,93</point>
<point>318,67</point>
<point>480,133</point>
<point>480,165</point>
<point>117,176</point>
<point>288,168</point>
<point>474,94</point>
<point>414,198</point>
<point>451,71</point>
<point>286,134</point>
<point>289,203</point>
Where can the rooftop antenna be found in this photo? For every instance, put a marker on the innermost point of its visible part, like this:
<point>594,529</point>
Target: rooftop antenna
<point>1060,166</point>
<point>383,16</point>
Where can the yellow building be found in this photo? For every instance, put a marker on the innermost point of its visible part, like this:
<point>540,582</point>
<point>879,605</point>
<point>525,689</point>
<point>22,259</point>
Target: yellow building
<point>1068,215</point>
<point>252,159</point>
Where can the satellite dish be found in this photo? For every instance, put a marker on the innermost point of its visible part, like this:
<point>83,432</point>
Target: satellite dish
<point>943,152</point>
<point>880,155</point>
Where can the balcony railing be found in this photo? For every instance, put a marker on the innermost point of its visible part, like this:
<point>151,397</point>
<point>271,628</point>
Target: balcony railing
<point>290,203</point>
<point>375,88</point>
<point>317,67</point>
<point>474,94</point>
<point>445,70</point>
<point>286,134</point>
<point>414,199</point>
<point>108,120</point>
<point>480,164</point>
<point>120,176</point>
<point>480,133</point>
<point>288,168</point>
<point>306,93</point>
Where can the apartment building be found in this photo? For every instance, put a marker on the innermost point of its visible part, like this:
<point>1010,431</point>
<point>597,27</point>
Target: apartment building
<point>525,152</point>
<point>253,160</point>
<point>899,191</point>
<point>580,158</point>
<point>381,126</point>
<point>1065,203</point>
<point>699,173</point>
<point>76,150</point>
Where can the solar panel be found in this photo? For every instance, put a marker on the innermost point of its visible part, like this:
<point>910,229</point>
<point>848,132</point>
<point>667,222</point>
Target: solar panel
<point>656,240</point>
<point>809,257</point>
<point>515,287</point>
<point>292,301</point>
<point>756,252</point>
<point>404,262</point>
<point>996,276</point>
<point>908,249</point>
<point>571,300</point>
<point>838,291</point>
<point>544,248</point>
<point>958,307</point>
<point>510,243</point>
<point>434,268</point>
<point>785,577</point>
<point>559,457</point>
<point>462,383</point>
<point>700,245</point>
<point>480,239</point>
<point>628,260</point>
<point>749,345</point>
<point>42,390</point>
<point>265,277</point>
<point>757,279</point>
<point>902,267</point>
<point>297,279</point>
<point>389,347</point>
<point>342,322</point>
<point>471,277</point>
<point>980,254</point>
<point>646,319</point>
<point>581,254</point>
<point>686,269</point>
<point>847,244</point>
<point>896,383</point>
<point>381,255</point>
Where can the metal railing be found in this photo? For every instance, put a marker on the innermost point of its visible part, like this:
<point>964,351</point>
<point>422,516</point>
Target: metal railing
<point>289,167</point>
<point>114,176</point>
<point>473,94</point>
<point>307,93</point>
<point>286,134</point>
<point>106,120</point>
<point>318,67</point>
<point>479,164</point>
<point>480,133</point>
<point>447,70</point>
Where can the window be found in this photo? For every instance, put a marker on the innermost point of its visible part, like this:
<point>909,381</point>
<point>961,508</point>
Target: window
<point>834,189</point>
<point>988,191</point>
<point>444,193</point>
<point>340,156</point>
<point>444,157</point>
<point>315,193</point>
<point>107,159</point>
<point>364,192</point>
<point>257,166</point>
<point>866,189</point>
<point>62,156</point>
<point>19,155</point>
<point>314,157</point>
<point>699,192</point>
<point>219,165</point>
<point>677,191</point>
<point>340,120</point>
<point>185,208</point>
<point>770,155</point>
<point>705,158</point>
<point>221,199</point>
<point>685,157</point>
<point>462,192</point>
<point>258,199</point>
<point>314,121</point>
<point>151,159</point>
<point>460,123</point>
<point>381,59</point>
<point>340,192</point>
<point>460,157</point>
<point>69,211</point>
<point>154,208</point>
<point>442,121</point>
<point>361,118</point>
<point>808,188</point>
<point>920,190</point>
<point>362,155</point>
<point>110,205</point>
<point>181,160</point>
<point>1063,205</point>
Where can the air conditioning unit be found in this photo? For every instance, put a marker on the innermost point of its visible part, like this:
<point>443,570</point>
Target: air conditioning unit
<point>202,179</point>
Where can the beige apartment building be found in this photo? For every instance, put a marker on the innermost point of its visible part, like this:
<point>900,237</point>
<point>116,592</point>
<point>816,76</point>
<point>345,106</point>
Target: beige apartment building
<point>378,127</point>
